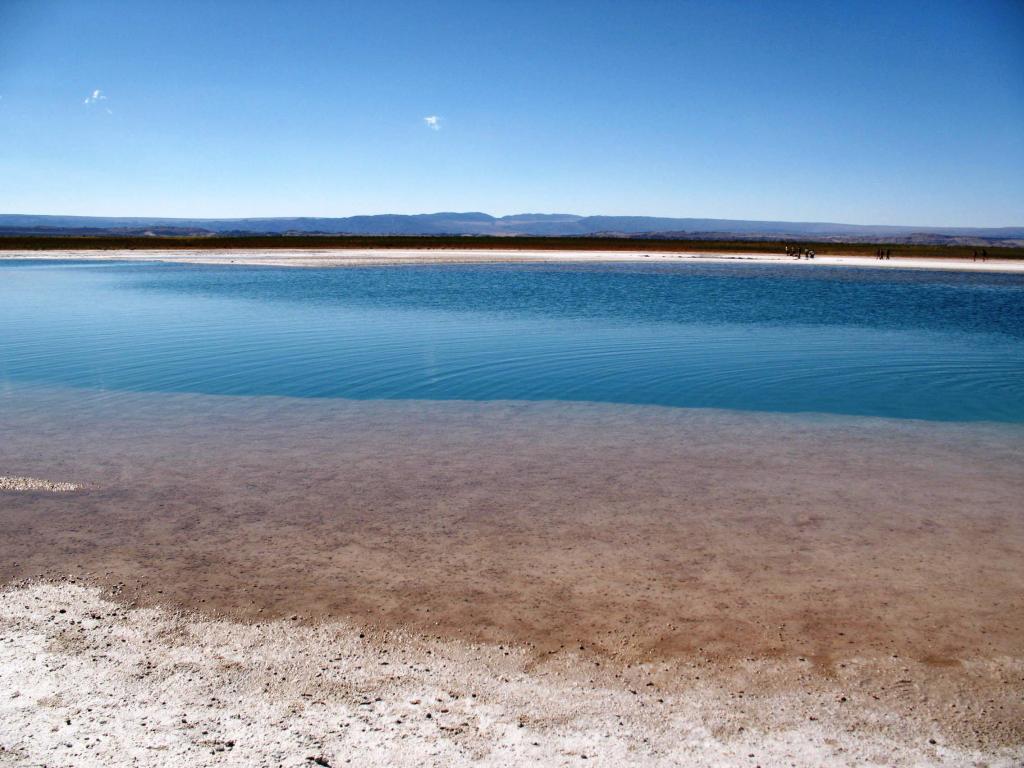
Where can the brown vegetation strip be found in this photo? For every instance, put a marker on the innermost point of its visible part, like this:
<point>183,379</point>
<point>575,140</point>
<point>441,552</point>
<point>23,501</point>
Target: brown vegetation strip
<point>343,242</point>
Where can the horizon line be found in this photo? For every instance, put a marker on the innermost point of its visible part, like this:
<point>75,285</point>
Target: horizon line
<point>509,215</point>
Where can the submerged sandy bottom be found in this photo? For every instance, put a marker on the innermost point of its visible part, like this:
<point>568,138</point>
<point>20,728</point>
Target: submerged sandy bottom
<point>87,682</point>
<point>637,530</point>
<point>757,570</point>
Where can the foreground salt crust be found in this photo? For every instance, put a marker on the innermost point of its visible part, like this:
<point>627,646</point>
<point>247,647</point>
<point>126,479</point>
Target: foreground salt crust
<point>85,681</point>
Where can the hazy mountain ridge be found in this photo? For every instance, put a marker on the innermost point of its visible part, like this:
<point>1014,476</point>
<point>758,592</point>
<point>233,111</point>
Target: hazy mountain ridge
<point>476,223</point>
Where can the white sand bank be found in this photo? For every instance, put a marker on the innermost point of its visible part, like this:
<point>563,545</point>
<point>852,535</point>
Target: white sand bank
<point>87,682</point>
<point>369,257</point>
<point>25,484</point>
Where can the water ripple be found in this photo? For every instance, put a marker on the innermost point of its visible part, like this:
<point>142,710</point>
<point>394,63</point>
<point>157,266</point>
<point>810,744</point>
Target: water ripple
<point>627,340</point>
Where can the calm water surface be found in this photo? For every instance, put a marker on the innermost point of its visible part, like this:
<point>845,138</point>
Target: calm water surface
<point>905,344</point>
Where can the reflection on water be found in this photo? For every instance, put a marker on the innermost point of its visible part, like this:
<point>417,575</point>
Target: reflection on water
<point>940,346</point>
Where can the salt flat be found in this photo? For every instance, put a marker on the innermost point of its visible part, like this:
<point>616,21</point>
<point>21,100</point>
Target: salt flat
<point>90,682</point>
<point>299,257</point>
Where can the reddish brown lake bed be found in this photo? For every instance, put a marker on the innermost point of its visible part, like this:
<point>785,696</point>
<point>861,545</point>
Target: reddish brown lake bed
<point>635,531</point>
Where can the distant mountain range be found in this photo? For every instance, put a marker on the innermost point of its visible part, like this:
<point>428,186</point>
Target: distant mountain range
<point>536,224</point>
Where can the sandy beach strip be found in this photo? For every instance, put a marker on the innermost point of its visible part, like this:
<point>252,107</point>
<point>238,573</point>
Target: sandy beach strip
<point>380,257</point>
<point>88,681</point>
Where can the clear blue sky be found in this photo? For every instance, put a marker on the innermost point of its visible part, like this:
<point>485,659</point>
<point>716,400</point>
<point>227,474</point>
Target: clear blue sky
<point>882,112</point>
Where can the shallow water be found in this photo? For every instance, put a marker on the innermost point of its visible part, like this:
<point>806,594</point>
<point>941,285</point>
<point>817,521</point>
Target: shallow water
<point>641,529</point>
<point>923,345</point>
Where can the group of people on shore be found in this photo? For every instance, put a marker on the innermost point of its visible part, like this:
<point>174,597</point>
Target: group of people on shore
<point>799,253</point>
<point>880,253</point>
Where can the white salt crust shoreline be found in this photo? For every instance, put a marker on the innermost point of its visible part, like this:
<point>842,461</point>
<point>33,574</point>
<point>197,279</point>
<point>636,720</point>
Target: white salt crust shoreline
<point>377,257</point>
<point>86,681</point>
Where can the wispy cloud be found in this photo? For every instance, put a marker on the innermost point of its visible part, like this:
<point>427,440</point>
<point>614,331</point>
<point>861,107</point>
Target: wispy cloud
<point>433,122</point>
<point>95,98</point>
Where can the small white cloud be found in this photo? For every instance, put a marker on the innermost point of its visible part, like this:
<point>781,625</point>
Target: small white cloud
<point>433,122</point>
<point>95,96</point>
